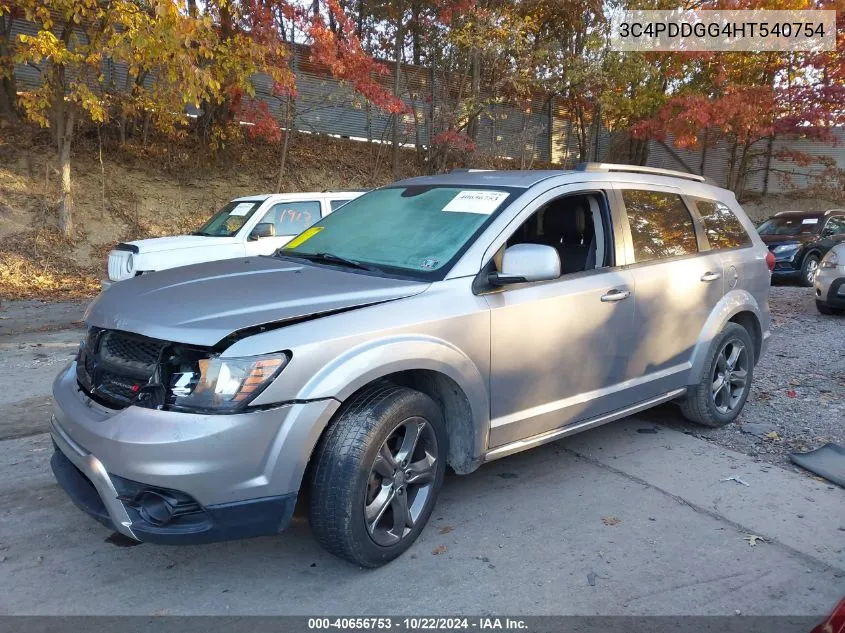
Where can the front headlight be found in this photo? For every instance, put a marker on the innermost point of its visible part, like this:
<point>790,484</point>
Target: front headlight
<point>222,384</point>
<point>831,260</point>
<point>785,248</point>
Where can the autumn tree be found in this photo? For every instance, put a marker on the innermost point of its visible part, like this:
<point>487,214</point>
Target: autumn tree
<point>68,49</point>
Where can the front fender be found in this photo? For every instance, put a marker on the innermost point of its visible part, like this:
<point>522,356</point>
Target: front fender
<point>369,361</point>
<point>730,305</point>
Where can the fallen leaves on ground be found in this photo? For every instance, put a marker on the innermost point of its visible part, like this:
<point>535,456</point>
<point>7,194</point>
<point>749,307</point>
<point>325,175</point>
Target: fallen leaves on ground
<point>611,520</point>
<point>753,538</point>
<point>445,529</point>
<point>440,549</point>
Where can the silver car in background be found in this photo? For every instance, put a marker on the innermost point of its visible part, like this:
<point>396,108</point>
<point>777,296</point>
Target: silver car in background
<point>829,281</point>
<point>443,320</point>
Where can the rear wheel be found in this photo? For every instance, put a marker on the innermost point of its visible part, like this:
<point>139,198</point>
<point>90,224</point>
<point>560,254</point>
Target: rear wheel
<point>723,387</point>
<point>808,270</point>
<point>378,470</point>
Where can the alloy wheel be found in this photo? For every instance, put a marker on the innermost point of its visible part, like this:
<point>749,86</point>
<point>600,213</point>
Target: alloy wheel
<point>730,376</point>
<point>812,267</point>
<point>400,482</point>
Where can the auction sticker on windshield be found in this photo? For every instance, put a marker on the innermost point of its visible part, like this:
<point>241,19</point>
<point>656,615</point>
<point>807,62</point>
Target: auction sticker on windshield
<point>476,201</point>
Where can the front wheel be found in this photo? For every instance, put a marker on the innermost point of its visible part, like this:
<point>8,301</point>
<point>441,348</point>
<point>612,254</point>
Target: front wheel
<point>378,470</point>
<point>723,387</point>
<point>808,270</point>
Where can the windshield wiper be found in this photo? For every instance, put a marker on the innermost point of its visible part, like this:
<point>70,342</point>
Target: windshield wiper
<point>331,258</point>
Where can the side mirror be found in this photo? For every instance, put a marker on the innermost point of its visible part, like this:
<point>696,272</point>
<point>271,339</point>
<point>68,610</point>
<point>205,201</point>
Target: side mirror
<point>262,229</point>
<point>828,232</point>
<point>525,263</point>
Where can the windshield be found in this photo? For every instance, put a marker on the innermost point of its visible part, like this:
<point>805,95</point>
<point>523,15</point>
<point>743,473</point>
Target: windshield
<point>229,220</point>
<point>789,226</point>
<point>418,231</point>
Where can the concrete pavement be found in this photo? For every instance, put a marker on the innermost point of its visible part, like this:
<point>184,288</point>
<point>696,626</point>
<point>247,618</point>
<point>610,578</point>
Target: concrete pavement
<point>613,521</point>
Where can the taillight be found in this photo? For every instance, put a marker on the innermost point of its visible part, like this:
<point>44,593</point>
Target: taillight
<point>770,261</point>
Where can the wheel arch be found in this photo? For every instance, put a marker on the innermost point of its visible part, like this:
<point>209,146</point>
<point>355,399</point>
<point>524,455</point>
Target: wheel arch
<point>738,306</point>
<point>432,366</point>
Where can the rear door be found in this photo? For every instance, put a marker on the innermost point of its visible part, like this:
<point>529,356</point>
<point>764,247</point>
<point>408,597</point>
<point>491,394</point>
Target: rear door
<point>725,234</point>
<point>678,282</point>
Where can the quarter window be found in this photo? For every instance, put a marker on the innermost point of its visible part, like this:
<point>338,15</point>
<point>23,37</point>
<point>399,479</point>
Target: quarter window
<point>721,226</point>
<point>335,204</point>
<point>660,224</point>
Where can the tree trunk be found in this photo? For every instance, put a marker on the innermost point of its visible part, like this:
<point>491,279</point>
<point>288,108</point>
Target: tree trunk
<point>397,69</point>
<point>769,148</point>
<point>285,144</point>
<point>416,45</point>
<point>66,204</point>
<point>703,165</point>
<point>596,131</point>
<point>475,90</point>
<point>8,84</point>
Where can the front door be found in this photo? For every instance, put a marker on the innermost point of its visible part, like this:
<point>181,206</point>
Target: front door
<point>289,219</point>
<point>558,348</point>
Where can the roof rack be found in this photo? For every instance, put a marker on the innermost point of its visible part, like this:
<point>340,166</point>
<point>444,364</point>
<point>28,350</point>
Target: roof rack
<point>464,170</point>
<point>638,169</point>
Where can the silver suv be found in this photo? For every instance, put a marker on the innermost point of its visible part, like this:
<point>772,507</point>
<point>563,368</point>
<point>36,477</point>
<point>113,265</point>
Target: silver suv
<point>445,320</point>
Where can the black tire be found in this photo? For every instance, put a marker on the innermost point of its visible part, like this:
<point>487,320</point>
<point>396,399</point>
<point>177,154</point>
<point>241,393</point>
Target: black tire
<point>700,404</point>
<point>823,308</point>
<point>346,473</point>
<point>808,270</point>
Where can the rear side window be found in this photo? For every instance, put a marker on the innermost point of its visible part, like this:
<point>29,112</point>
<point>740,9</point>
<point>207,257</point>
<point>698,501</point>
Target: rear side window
<point>721,226</point>
<point>661,225</point>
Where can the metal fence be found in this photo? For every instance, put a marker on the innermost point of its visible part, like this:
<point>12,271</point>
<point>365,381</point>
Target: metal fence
<point>540,131</point>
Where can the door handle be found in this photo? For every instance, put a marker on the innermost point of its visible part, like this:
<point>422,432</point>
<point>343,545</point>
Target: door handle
<point>711,276</point>
<point>615,295</point>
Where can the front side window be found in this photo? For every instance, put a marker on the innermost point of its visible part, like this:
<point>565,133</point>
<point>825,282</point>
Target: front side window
<point>229,220</point>
<point>415,230</point>
<point>835,225</point>
<point>292,218</point>
<point>661,226</point>
<point>790,225</point>
<point>721,226</point>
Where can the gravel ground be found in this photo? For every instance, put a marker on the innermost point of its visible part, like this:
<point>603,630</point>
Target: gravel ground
<point>797,400</point>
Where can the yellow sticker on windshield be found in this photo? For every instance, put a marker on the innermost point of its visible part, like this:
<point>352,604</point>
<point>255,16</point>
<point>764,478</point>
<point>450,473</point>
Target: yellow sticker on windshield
<point>304,236</point>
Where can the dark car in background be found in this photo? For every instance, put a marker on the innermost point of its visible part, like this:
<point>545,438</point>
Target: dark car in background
<point>799,240</point>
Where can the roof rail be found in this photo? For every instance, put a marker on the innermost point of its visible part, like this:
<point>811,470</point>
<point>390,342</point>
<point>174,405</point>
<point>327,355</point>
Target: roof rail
<point>638,169</point>
<point>464,170</point>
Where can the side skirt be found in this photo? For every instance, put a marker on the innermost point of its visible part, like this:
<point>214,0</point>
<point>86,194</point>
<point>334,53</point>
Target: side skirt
<point>572,429</point>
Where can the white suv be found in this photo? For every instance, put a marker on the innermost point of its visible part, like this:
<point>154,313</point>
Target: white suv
<point>252,225</point>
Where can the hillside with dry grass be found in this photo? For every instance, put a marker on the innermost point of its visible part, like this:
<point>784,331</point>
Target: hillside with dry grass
<point>135,192</point>
<point>126,192</point>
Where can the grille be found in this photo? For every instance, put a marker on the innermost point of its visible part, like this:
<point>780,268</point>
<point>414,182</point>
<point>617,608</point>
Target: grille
<point>113,366</point>
<point>134,354</point>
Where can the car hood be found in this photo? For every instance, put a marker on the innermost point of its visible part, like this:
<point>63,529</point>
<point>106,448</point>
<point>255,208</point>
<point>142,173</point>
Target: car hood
<point>204,303</point>
<point>174,242</point>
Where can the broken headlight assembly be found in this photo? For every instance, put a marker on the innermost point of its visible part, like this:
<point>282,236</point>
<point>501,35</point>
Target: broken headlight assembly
<point>198,381</point>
